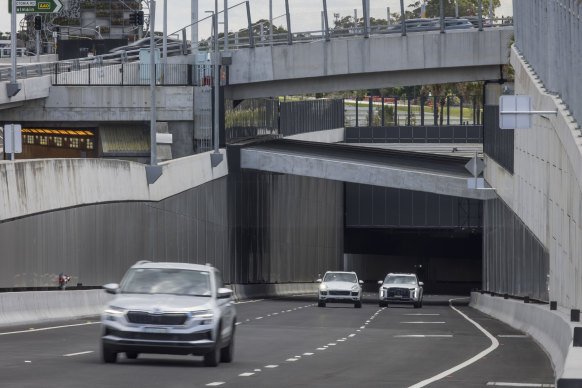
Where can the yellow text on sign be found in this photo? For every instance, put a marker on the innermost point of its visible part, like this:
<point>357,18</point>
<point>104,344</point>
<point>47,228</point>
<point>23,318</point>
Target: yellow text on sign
<point>44,5</point>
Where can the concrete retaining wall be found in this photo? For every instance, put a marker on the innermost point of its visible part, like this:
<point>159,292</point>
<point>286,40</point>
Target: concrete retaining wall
<point>36,306</point>
<point>35,186</point>
<point>551,329</point>
<point>545,190</point>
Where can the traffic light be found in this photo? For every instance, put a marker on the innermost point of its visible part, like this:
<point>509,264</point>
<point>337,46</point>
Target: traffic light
<point>140,18</point>
<point>133,18</point>
<point>38,23</point>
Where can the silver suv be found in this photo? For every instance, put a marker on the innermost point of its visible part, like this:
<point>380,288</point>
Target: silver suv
<point>401,288</point>
<point>339,286</point>
<point>169,308</point>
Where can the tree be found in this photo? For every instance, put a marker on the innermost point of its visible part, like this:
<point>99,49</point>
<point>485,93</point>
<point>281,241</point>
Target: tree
<point>466,8</point>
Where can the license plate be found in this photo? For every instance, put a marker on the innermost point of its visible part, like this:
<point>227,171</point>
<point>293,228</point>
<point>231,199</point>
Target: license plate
<point>157,330</point>
<point>398,296</point>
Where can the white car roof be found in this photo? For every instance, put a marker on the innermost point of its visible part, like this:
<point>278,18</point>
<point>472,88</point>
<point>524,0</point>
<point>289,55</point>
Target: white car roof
<point>187,266</point>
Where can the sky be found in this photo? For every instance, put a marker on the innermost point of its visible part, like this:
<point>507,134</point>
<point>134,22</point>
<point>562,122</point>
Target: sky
<point>305,14</point>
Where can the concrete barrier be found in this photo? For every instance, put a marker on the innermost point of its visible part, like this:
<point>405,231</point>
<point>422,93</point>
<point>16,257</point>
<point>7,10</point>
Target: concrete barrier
<point>551,329</point>
<point>18,308</point>
<point>253,291</point>
<point>36,306</point>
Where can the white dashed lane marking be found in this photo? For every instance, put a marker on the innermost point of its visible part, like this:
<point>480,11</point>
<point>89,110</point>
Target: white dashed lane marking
<point>513,336</point>
<point>215,384</point>
<point>77,354</point>
<point>271,366</point>
<point>246,374</point>
<point>421,322</point>
<point>421,314</point>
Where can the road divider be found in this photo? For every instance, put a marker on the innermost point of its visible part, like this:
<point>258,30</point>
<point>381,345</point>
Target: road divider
<point>552,329</point>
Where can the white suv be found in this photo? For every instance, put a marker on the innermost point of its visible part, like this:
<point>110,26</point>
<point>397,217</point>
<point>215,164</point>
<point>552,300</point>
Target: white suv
<point>400,288</point>
<point>169,308</point>
<point>337,286</point>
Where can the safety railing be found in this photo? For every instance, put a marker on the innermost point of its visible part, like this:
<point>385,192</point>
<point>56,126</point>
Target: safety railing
<point>373,111</point>
<point>129,74</point>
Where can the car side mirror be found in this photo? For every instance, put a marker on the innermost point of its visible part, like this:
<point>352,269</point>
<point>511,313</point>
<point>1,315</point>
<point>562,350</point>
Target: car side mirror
<point>111,288</point>
<point>380,282</point>
<point>224,293</point>
<point>421,284</point>
<point>318,281</point>
<point>361,282</point>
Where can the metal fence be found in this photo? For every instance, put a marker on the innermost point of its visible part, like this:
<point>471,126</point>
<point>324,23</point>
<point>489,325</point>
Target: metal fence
<point>311,115</point>
<point>514,260</point>
<point>549,35</point>
<point>413,111</point>
<point>258,117</point>
<point>128,74</point>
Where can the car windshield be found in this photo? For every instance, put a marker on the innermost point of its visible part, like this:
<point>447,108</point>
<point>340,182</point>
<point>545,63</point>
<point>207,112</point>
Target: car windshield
<point>340,277</point>
<point>166,281</point>
<point>400,279</point>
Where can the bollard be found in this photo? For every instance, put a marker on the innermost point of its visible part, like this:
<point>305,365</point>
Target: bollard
<point>505,296</point>
<point>526,299</point>
<point>482,292</point>
<point>575,315</point>
<point>553,305</point>
<point>577,341</point>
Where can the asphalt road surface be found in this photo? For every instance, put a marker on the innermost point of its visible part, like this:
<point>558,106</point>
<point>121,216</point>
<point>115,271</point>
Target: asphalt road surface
<point>293,343</point>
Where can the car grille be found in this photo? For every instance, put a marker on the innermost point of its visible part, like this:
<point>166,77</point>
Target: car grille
<point>404,292</point>
<point>156,319</point>
<point>345,293</point>
<point>132,335</point>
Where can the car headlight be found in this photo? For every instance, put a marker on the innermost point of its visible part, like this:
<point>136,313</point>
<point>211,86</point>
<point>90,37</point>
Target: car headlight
<point>205,316</point>
<point>112,310</point>
<point>355,288</point>
<point>112,313</point>
<point>323,287</point>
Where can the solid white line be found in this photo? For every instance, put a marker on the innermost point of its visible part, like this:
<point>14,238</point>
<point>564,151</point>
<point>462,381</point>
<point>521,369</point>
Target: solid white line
<point>215,384</point>
<point>77,354</point>
<point>423,322</point>
<point>513,336</point>
<point>424,336</point>
<point>519,384</point>
<point>50,328</point>
<point>494,345</point>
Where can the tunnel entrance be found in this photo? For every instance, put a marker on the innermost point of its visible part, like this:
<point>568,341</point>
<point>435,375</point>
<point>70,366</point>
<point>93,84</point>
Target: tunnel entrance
<point>447,261</point>
<point>437,237</point>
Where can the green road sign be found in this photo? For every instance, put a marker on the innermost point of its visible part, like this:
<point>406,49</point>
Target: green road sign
<point>36,6</point>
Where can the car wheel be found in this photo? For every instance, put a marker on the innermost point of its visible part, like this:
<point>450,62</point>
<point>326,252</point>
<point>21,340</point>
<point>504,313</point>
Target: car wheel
<point>131,355</point>
<point>358,304</point>
<point>227,353</point>
<point>321,304</point>
<point>383,304</point>
<point>212,358</point>
<point>108,356</point>
<point>417,305</point>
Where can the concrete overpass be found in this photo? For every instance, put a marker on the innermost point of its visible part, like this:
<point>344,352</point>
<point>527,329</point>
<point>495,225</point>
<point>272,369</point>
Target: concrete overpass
<point>419,58</point>
<point>436,174</point>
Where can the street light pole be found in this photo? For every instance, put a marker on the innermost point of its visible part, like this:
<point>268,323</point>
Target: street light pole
<point>153,143</point>
<point>165,38</point>
<point>216,157</point>
<point>194,31</point>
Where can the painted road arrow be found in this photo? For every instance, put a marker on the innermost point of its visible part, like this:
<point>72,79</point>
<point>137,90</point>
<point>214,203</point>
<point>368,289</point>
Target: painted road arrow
<point>36,6</point>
